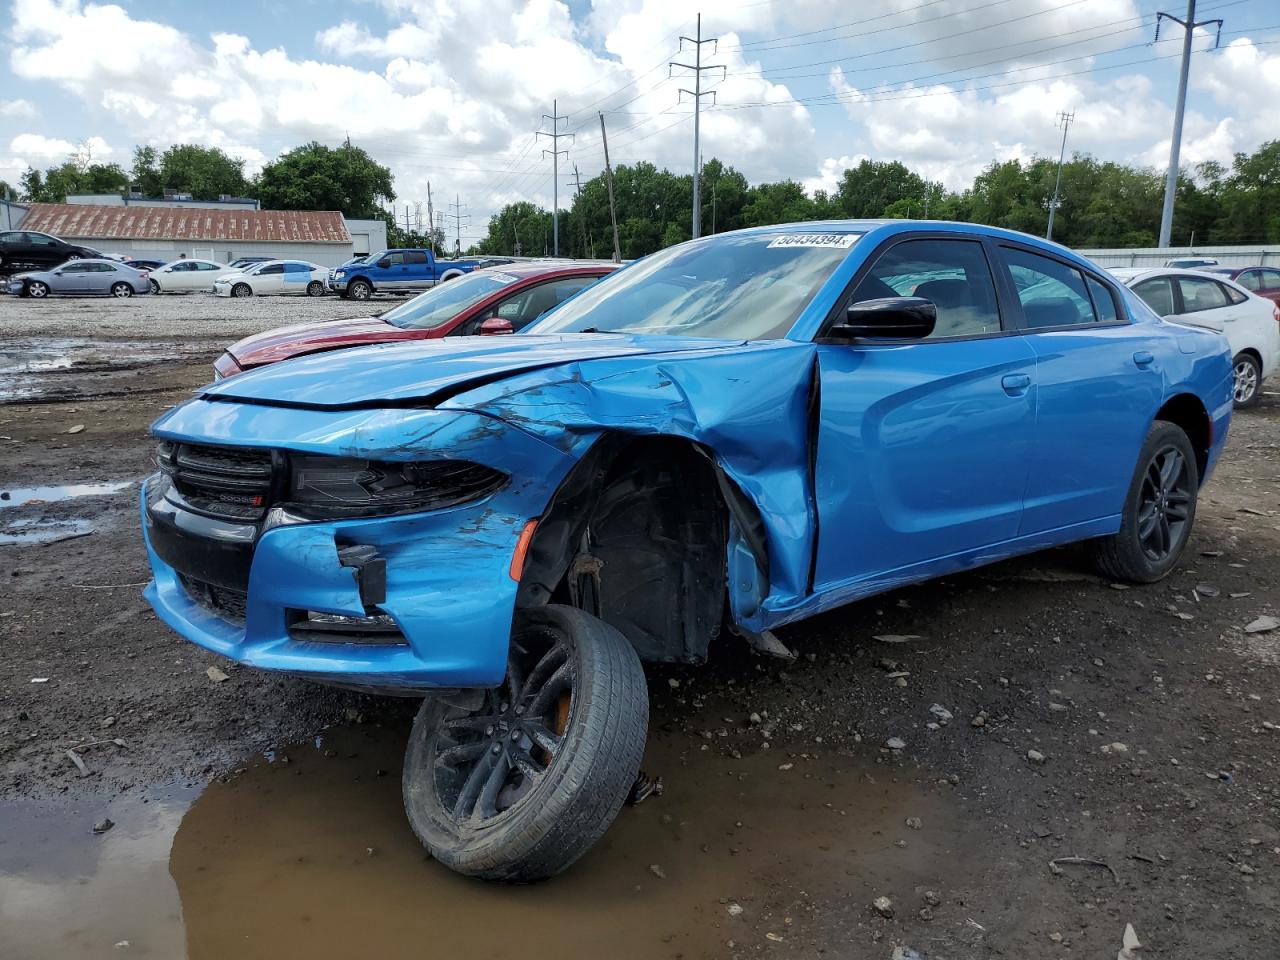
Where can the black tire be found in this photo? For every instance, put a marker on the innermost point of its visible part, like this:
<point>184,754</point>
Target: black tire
<point>155,286</point>
<point>242,290</point>
<point>1140,552</point>
<point>72,256</point>
<point>359,290</point>
<point>121,290</point>
<point>552,820</point>
<point>37,289</point>
<point>315,289</point>
<point>1247,386</point>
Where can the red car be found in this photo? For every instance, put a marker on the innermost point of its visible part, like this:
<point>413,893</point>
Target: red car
<point>1264,281</point>
<point>498,300</point>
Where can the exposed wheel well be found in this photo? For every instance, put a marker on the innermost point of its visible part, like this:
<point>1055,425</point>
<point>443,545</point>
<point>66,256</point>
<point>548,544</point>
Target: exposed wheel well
<point>1257,357</point>
<point>1186,411</point>
<point>636,534</point>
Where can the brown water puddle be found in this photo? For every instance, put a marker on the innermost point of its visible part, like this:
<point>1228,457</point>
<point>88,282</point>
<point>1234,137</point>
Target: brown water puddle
<point>313,857</point>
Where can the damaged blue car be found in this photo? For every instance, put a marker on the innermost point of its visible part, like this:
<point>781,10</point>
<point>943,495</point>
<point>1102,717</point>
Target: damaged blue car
<point>732,434</point>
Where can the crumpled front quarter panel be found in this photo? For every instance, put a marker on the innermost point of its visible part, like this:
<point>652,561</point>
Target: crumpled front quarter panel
<point>748,406</point>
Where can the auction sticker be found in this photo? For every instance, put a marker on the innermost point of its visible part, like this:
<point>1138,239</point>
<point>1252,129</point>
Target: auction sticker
<point>503,277</point>
<point>841,241</point>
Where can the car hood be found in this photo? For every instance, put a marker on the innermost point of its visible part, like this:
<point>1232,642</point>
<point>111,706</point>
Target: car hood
<point>233,275</point>
<point>427,371</point>
<point>301,338</point>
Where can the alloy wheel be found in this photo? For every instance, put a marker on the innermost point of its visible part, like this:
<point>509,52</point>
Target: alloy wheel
<point>38,290</point>
<point>488,759</point>
<point>122,291</point>
<point>1246,381</point>
<point>1164,504</point>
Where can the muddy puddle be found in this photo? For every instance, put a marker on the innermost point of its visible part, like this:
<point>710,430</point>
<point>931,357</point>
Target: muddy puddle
<point>32,368</point>
<point>309,855</point>
<point>21,530</point>
<point>25,496</point>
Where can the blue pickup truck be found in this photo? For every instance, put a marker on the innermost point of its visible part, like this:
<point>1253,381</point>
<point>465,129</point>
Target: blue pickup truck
<point>389,271</point>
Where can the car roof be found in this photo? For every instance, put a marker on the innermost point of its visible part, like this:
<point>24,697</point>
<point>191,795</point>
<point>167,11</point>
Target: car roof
<point>548,268</point>
<point>1131,275</point>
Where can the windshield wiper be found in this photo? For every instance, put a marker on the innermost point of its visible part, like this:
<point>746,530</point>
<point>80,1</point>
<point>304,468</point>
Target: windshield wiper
<point>594,330</point>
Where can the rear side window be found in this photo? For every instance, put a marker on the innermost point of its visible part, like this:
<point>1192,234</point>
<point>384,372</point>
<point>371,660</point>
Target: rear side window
<point>296,268</point>
<point>1201,293</point>
<point>1270,279</point>
<point>1104,302</point>
<point>1157,294</point>
<point>953,274</point>
<point>1052,294</point>
<point>415,256</point>
<point>1250,280</point>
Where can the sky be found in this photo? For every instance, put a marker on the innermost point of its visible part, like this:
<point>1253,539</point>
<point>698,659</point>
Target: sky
<point>452,92</point>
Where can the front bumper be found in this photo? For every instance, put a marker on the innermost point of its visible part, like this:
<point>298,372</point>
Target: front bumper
<point>448,584</point>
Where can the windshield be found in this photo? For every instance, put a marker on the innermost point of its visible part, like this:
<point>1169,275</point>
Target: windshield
<point>741,287</point>
<point>445,301</point>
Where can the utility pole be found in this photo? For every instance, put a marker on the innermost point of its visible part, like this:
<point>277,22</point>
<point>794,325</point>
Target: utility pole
<point>1064,121</point>
<point>582,218</point>
<point>431,222</point>
<point>608,178</point>
<point>1171,179</point>
<point>697,94</point>
<point>555,135</point>
<point>457,215</point>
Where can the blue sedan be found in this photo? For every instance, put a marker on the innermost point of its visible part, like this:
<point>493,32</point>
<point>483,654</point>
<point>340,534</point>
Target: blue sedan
<point>737,432</point>
<point>82,278</point>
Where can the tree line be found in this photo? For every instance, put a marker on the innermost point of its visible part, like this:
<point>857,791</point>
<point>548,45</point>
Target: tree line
<point>1103,203</point>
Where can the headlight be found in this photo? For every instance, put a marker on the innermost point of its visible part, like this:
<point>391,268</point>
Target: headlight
<point>339,275</point>
<point>323,487</point>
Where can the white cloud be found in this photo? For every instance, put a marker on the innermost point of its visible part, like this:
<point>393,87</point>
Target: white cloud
<point>17,108</point>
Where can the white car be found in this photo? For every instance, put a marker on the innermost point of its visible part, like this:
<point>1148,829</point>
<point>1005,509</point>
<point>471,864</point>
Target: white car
<point>1251,323</point>
<point>186,276</point>
<point>272,278</point>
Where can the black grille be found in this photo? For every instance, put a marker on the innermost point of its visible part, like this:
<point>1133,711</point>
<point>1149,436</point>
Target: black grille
<point>221,601</point>
<point>231,482</point>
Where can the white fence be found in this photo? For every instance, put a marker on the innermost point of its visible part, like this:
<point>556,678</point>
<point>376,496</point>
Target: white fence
<point>1156,256</point>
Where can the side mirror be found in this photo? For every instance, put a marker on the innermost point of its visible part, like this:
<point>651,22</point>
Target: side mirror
<point>890,318</point>
<point>384,263</point>
<point>496,327</point>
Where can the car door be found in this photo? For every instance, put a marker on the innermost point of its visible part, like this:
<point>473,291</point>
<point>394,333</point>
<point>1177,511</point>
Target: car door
<point>44,250</point>
<point>100,277</point>
<point>70,279</point>
<point>1098,386</point>
<point>269,279</point>
<point>296,277</point>
<point>1204,301</point>
<point>415,270</point>
<point>1267,283</point>
<point>923,445</point>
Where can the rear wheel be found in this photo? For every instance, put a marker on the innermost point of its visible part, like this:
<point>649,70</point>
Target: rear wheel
<point>241,290</point>
<point>121,290</point>
<point>37,289</point>
<point>1159,510</point>
<point>359,290</point>
<point>518,782</point>
<point>1248,379</point>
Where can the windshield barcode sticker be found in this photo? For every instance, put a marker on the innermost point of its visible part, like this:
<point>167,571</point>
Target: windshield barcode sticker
<point>841,241</point>
<point>503,277</point>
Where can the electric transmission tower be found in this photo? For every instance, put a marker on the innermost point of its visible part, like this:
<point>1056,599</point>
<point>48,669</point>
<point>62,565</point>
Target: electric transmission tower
<point>1171,179</point>
<point>1064,121</point>
<point>459,214</point>
<point>556,136</point>
<point>698,69</point>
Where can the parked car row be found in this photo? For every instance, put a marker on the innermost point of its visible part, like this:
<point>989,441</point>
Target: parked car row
<point>1249,316</point>
<point>82,277</point>
<point>733,434</point>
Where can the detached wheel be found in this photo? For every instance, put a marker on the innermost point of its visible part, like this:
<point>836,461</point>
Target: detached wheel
<point>121,291</point>
<point>1159,510</point>
<point>1248,378</point>
<point>519,782</point>
<point>241,290</point>
<point>37,289</point>
<point>359,290</point>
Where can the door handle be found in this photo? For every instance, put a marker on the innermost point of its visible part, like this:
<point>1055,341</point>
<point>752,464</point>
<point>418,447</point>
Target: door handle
<point>1015,383</point>
<point>1143,358</point>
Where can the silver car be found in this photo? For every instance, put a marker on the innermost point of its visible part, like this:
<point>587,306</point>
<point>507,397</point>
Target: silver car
<point>82,278</point>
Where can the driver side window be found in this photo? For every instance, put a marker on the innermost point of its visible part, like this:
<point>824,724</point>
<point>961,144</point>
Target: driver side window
<point>953,274</point>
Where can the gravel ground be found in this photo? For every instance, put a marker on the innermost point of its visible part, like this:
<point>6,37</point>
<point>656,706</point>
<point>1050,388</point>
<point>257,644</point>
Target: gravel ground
<point>170,316</point>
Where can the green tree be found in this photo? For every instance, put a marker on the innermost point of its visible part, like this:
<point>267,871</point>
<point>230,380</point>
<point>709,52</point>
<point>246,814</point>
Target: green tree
<point>868,190</point>
<point>69,177</point>
<point>784,202</point>
<point>204,172</point>
<point>316,177</point>
<point>145,173</point>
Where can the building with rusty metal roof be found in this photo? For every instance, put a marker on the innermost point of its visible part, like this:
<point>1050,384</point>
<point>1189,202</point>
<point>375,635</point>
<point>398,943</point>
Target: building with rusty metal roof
<point>222,233</point>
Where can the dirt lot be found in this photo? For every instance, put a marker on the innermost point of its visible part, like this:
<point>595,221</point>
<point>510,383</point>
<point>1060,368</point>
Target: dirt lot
<point>1043,713</point>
